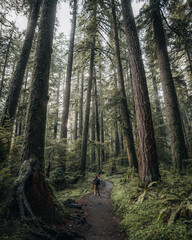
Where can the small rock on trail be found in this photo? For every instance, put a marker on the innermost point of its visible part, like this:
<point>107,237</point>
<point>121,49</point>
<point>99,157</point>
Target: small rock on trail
<point>98,212</point>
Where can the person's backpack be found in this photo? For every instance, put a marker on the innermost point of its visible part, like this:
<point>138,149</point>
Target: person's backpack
<point>97,181</point>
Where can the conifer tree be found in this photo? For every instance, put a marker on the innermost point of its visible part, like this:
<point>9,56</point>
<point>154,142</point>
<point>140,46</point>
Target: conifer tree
<point>179,150</point>
<point>93,28</point>
<point>66,95</point>
<point>16,84</point>
<point>127,127</point>
<point>148,162</point>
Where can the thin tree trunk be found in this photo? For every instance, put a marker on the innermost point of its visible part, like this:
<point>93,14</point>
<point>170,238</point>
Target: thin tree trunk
<point>148,163</point>
<point>76,108</point>
<point>179,150</point>
<point>117,142</point>
<point>6,61</point>
<point>97,125</point>
<point>88,99</point>
<point>57,108</point>
<point>67,91</point>
<point>127,127</point>
<point>81,105</point>
<point>101,122</point>
<point>158,107</point>
<point>93,155</point>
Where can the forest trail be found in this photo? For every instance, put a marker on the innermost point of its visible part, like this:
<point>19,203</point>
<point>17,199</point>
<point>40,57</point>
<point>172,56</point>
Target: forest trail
<point>101,223</point>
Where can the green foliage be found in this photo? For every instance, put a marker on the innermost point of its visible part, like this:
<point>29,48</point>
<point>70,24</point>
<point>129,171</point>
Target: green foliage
<point>63,161</point>
<point>158,211</point>
<point>76,191</point>
<point>6,182</point>
<point>4,141</point>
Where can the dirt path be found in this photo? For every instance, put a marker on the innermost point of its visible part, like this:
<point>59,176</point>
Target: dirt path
<point>98,212</point>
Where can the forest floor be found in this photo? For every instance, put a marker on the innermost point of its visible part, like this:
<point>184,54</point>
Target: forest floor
<point>100,222</point>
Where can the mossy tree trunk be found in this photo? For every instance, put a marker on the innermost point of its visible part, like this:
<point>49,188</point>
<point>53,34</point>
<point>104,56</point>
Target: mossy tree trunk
<point>148,162</point>
<point>97,125</point>
<point>6,60</point>
<point>88,98</point>
<point>93,153</point>
<point>57,108</point>
<point>178,147</point>
<point>33,194</point>
<point>76,107</point>
<point>81,104</point>
<point>16,84</point>
<point>127,127</point>
<point>67,90</point>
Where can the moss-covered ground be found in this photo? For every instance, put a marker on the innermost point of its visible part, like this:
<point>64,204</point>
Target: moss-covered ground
<point>160,211</point>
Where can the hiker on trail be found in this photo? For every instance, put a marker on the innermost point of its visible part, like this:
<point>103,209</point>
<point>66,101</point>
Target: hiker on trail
<point>96,185</point>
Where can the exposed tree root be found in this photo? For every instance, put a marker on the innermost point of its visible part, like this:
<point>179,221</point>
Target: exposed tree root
<point>34,200</point>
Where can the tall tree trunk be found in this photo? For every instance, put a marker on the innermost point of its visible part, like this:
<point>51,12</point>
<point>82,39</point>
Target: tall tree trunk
<point>179,150</point>
<point>97,125</point>
<point>81,105</point>
<point>57,108</point>
<point>67,91</point>
<point>88,99</point>
<point>127,128</point>
<point>116,125</point>
<point>158,107</point>
<point>148,163</point>
<point>36,118</point>
<point>101,121</point>
<point>93,155</point>
<point>33,192</point>
<point>76,107</point>
<point>14,92</point>
<point>6,61</point>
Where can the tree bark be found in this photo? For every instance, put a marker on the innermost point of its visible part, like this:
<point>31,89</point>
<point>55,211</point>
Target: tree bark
<point>6,61</point>
<point>88,99</point>
<point>93,155</point>
<point>102,125</point>
<point>127,127</point>
<point>158,107</point>
<point>14,92</point>
<point>81,105</point>
<point>33,193</point>
<point>97,125</point>
<point>148,162</point>
<point>76,108</point>
<point>67,91</point>
<point>57,108</point>
<point>179,150</point>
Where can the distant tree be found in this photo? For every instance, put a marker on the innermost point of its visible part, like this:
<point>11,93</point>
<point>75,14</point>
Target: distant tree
<point>148,162</point>
<point>66,95</point>
<point>7,53</point>
<point>81,104</point>
<point>93,28</point>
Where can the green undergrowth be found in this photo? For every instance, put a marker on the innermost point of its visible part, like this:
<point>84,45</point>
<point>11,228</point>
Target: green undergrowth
<point>160,211</point>
<point>76,191</point>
